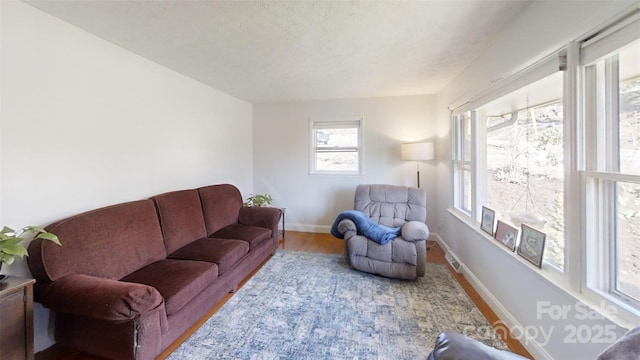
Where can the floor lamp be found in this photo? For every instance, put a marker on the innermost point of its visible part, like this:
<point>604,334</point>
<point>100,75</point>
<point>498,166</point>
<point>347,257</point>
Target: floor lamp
<point>417,152</point>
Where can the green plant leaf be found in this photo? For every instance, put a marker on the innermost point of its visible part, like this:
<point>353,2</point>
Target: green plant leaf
<point>34,228</point>
<point>17,250</point>
<point>258,200</point>
<point>49,236</point>
<point>6,229</point>
<point>11,241</point>
<point>7,259</point>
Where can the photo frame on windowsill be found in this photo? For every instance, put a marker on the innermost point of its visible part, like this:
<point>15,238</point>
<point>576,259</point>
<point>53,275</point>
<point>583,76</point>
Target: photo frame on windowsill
<point>531,245</point>
<point>487,221</point>
<point>507,235</point>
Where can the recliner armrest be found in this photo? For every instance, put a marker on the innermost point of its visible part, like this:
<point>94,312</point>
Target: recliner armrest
<point>100,298</point>
<point>414,231</point>
<point>347,228</point>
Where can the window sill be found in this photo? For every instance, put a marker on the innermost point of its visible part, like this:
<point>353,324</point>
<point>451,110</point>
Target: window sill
<point>621,317</point>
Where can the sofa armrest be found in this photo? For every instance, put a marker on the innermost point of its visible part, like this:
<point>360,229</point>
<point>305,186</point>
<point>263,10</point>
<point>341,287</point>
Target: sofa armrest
<point>626,347</point>
<point>266,217</point>
<point>414,231</point>
<point>100,298</point>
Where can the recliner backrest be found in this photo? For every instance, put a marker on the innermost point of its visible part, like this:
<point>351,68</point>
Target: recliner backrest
<point>391,205</point>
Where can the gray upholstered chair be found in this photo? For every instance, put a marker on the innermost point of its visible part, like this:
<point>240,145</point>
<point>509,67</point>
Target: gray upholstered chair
<point>451,345</point>
<point>393,206</point>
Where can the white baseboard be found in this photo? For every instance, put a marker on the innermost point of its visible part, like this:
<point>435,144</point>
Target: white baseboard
<point>323,229</point>
<point>537,351</point>
<point>326,229</point>
<point>436,237</point>
<point>503,314</point>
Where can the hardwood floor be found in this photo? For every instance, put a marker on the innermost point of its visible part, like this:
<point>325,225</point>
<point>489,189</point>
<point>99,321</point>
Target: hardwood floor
<point>311,242</point>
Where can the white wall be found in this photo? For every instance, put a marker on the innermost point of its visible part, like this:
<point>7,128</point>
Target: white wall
<point>86,124</point>
<point>512,287</point>
<point>281,154</point>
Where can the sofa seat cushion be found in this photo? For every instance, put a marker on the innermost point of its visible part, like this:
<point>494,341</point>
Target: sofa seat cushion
<point>178,281</point>
<point>253,234</point>
<point>224,252</point>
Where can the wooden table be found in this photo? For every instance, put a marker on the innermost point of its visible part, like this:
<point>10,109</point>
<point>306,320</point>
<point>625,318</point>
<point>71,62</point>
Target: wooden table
<point>282,218</point>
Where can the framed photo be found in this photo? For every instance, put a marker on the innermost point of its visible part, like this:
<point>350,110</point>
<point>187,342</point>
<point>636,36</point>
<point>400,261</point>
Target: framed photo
<point>488,217</point>
<point>507,235</point>
<point>531,245</point>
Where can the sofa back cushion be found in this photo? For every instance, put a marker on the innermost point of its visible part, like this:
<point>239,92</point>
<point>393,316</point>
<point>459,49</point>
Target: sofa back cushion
<point>109,242</point>
<point>181,218</point>
<point>221,206</point>
<point>391,205</point>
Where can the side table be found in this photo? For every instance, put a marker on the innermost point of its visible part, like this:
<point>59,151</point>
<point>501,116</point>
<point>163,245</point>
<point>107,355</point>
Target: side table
<point>16,318</point>
<point>283,210</point>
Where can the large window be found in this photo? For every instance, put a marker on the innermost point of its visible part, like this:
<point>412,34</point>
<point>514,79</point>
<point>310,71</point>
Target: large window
<point>336,146</point>
<point>613,173</point>
<point>559,148</point>
<point>525,160</point>
<point>508,154</point>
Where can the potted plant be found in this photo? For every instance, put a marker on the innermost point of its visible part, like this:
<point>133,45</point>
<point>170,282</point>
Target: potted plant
<point>11,242</point>
<point>259,200</point>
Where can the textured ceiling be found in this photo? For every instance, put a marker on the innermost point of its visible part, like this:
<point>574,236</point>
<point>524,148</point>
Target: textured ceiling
<point>274,51</point>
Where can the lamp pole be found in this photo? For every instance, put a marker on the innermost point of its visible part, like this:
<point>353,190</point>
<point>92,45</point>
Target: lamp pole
<point>417,152</point>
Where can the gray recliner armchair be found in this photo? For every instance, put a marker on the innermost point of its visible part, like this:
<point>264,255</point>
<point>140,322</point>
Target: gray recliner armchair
<point>451,345</point>
<point>392,206</point>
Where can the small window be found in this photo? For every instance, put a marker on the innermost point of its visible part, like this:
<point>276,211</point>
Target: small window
<point>336,146</point>
<point>463,189</point>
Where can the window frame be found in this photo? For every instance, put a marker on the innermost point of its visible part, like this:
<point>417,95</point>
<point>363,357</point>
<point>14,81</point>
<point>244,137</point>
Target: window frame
<point>601,171</point>
<point>462,165</point>
<point>336,123</point>
<point>545,67</point>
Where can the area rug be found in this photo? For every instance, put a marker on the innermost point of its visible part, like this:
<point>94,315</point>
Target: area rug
<point>314,306</point>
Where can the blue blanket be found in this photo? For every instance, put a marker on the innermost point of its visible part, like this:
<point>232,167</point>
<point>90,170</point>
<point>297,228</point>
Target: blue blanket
<point>366,227</point>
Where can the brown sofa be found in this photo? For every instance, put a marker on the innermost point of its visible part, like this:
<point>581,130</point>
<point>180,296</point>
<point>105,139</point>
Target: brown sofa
<point>131,278</point>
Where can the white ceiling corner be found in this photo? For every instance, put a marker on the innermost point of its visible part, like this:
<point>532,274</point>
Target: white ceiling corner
<point>276,51</point>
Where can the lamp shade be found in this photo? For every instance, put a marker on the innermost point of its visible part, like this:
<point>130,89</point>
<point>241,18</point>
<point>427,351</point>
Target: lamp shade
<point>417,151</point>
